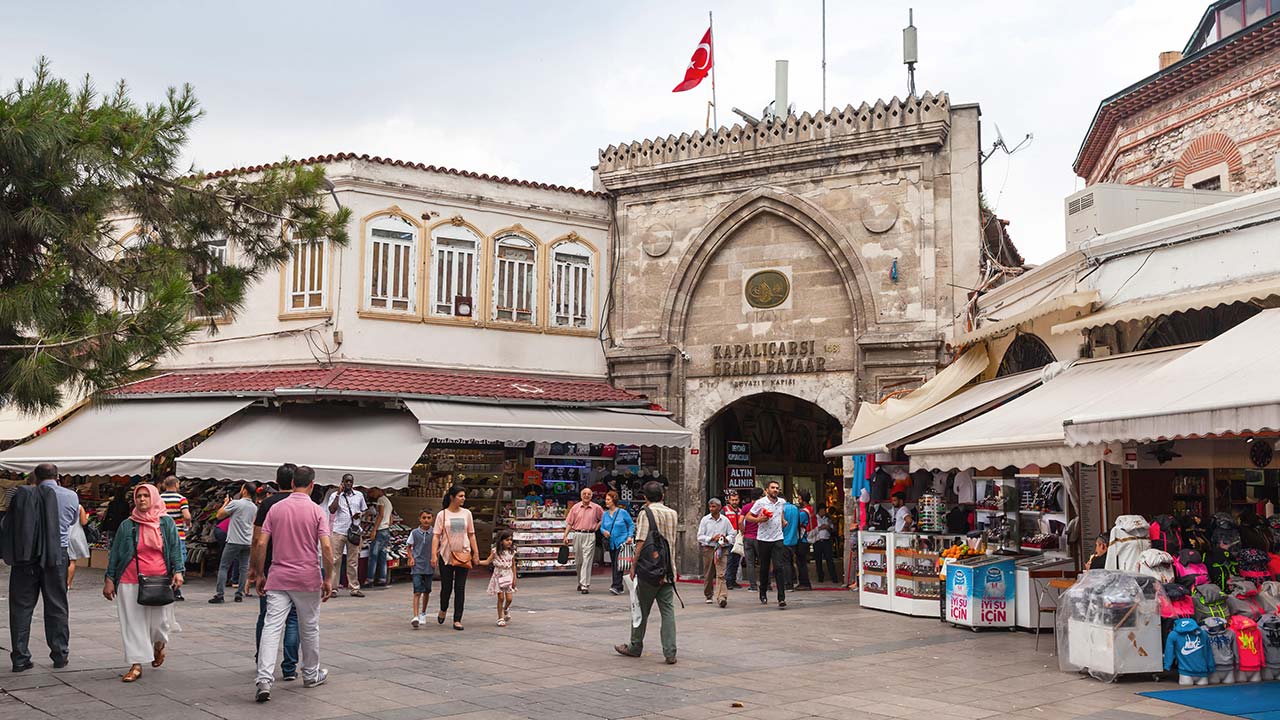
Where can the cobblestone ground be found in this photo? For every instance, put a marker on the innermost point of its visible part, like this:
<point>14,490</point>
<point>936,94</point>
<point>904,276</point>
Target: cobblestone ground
<point>823,657</point>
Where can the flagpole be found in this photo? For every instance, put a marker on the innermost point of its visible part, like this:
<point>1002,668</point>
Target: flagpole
<point>715,109</point>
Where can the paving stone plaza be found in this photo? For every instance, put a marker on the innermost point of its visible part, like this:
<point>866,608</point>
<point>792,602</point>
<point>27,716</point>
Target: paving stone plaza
<point>823,657</point>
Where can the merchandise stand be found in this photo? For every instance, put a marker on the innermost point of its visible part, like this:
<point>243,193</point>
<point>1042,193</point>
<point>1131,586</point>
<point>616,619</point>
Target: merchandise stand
<point>898,572</point>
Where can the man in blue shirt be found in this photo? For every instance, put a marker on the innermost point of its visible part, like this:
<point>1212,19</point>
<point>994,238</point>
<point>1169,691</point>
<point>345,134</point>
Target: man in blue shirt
<point>790,538</point>
<point>43,577</point>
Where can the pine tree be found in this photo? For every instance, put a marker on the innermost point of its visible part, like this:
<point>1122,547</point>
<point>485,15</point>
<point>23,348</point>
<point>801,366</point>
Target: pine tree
<point>80,313</point>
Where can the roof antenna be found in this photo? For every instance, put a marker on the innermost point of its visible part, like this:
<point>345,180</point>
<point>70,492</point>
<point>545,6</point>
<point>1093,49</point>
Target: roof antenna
<point>910,51</point>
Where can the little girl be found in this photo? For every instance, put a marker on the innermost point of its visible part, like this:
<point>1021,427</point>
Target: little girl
<point>502,556</point>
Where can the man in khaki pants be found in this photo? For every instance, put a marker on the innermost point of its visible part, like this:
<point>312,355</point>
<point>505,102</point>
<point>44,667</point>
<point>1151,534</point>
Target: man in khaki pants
<point>715,536</point>
<point>582,522</point>
<point>345,505</point>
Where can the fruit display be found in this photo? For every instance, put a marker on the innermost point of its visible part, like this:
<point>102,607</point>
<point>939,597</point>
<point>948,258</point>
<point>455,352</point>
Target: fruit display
<point>959,551</point>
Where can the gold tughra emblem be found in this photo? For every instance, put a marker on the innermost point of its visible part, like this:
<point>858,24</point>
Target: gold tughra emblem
<point>767,289</point>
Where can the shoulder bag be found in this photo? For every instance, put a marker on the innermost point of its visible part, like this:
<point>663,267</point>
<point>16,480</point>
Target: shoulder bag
<point>354,536</point>
<point>153,590</point>
<point>458,559</point>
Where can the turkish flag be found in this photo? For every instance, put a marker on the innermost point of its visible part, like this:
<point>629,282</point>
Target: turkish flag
<point>699,65</point>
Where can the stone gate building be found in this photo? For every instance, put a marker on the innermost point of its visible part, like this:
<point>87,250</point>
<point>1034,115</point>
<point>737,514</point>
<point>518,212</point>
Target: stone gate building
<point>770,277</point>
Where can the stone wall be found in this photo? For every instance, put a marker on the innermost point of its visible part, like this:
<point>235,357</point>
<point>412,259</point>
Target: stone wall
<point>1230,122</point>
<point>867,213</point>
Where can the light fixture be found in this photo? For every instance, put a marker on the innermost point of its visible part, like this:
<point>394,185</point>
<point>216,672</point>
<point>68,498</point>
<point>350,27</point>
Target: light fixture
<point>462,305</point>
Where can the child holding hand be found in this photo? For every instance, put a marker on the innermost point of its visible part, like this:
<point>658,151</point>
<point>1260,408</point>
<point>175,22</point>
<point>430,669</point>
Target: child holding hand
<point>502,556</point>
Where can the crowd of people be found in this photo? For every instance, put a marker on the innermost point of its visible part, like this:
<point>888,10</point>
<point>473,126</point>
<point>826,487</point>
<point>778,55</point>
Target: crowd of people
<point>284,541</point>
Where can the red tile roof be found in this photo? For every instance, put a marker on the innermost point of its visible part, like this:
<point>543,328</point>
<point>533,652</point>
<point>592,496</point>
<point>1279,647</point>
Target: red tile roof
<point>343,156</point>
<point>357,380</point>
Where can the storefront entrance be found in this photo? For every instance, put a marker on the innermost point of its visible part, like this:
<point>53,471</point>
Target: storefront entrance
<point>772,436</point>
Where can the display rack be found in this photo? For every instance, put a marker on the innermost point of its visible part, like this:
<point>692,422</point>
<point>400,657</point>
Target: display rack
<point>909,582</point>
<point>1012,503</point>
<point>538,542</point>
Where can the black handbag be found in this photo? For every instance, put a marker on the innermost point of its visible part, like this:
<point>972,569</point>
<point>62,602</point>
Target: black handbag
<point>153,590</point>
<point>92,534</point>
<point>354,536</point>
<point>562,555</point>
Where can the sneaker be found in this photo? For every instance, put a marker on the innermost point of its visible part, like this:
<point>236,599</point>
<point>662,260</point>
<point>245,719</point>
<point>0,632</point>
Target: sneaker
<point>239,597</point>
<point>416,621</point>
<point>710,601</point>
<point>289,677</point>
<point>317,681</point>
<point>723,603</point>
<point>177,595</point>
<point>356,593</point>
<point>782,605</point>
<point>612,591</point>
<point>263,694</point>
<point>215,600</point>
<point>671,659</point>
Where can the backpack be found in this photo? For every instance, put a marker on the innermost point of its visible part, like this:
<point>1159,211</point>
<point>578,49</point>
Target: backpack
<point>1254,564</point>
<point>1166,534</point>
<point>653,565</point>
<point>1209,603</point>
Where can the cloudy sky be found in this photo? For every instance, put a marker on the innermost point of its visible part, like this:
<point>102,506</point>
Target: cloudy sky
<point>532,90</point>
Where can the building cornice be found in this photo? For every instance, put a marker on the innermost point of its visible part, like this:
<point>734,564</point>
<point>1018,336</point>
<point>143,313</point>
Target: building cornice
<point>401,191</point>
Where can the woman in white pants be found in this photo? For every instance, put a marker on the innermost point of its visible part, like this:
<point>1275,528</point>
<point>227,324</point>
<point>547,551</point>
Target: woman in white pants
<point>145,544</point>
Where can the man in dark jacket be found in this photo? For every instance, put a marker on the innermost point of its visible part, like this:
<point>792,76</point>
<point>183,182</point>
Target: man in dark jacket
<point>31,544</point>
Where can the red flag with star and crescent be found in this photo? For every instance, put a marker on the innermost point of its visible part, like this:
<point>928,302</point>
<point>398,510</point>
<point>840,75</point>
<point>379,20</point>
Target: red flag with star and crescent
<point>699,65</point>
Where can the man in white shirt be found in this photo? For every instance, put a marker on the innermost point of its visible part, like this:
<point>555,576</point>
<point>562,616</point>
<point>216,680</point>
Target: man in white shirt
<point>901,515</point>
<point>767,514</point>
<point>345,505</point>
<point>823,536</point>
<point>715,537</point>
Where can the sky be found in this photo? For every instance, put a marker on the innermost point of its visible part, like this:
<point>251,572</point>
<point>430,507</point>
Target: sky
<point>533,90</point>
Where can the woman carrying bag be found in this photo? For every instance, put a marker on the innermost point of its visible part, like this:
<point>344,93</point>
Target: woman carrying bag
<point>144,568</point>
<point>618,529</point>
<point>455,534</point>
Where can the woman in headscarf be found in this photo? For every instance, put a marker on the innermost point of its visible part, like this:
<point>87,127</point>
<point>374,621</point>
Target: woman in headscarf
<point>145,544</point>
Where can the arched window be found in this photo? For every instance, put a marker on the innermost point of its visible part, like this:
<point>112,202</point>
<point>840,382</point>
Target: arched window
<point>1026,352</point>
<point>391,262</point>
<point>1194,326</point>
<point>455,270</point>
<point>515,285</point>
<point>571,285</point>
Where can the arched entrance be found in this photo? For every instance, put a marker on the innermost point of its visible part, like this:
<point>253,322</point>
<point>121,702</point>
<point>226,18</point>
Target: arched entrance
<point>779,437</point>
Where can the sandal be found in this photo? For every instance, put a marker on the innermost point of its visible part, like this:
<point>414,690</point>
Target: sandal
<point>159,655</point>
<point>502,622</point>
<point>457,626</point>
<point>134,673</point>
<point>506,618</point>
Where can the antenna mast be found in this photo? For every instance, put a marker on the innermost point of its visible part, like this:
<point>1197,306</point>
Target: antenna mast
<point>824,54</point>
<point>910,52</point>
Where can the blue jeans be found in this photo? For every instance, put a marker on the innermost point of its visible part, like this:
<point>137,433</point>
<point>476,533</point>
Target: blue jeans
<point>233,555</point>
<point>288,666</point>
<point>378,557</point>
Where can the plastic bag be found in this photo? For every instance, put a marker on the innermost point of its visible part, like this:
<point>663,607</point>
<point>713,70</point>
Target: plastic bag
<point>629,583</point>
<point>1108,624</point>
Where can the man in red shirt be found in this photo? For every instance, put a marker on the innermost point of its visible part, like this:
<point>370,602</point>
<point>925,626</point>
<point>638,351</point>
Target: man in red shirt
<point>733,511</point>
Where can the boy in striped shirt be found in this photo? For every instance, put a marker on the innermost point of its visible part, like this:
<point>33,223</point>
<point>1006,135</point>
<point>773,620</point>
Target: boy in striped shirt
<point>176,507</point>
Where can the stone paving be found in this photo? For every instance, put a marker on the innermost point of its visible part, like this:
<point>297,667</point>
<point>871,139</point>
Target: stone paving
<point>823,657</point>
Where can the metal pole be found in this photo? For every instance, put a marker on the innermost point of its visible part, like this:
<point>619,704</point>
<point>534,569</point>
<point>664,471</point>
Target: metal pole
<point>715,109</point>
<point>824,54</point>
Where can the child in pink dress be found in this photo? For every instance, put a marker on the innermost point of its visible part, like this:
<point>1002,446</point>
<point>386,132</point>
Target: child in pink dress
<point>502,556</point>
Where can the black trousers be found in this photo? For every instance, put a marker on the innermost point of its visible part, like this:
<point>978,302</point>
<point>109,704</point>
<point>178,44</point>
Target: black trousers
<point>801,552</point>
<point>772,553</point>
<point>617,572</point>
<point>823,552</point>
<point>453,581</point>
<point>28,583</point>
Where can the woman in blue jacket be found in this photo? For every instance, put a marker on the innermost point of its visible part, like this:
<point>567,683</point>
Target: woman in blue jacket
<point>617,527</point>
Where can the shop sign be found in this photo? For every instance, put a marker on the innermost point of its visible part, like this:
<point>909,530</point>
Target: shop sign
<point>738,452</point>
<point>1115,483</point>
<point>741,476</point>
<point>1130,458</point>
<point>1090,503</point>
<point>781,357</point>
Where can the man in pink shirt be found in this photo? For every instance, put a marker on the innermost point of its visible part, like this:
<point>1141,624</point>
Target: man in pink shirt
<point>583,521</point>
<point>295,526</point>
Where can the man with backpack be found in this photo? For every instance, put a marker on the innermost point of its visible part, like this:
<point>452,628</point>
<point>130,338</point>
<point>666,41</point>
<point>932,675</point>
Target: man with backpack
<point>654,572</point>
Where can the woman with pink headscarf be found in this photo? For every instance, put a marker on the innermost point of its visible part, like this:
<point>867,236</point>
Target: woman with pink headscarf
<point>145,544</point>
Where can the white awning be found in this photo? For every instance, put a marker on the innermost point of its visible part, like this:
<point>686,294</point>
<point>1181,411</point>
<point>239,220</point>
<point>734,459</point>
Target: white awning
<point>119,438</point>
<point>378,447</point>
<point>1028,429</point>
<point>875,417</point>
<point>1198,300</point>
<point>1061,302</point>
<point>527,423</point>
<point>968,402</point>
<point>1227,386</point>
<point>17,425</point>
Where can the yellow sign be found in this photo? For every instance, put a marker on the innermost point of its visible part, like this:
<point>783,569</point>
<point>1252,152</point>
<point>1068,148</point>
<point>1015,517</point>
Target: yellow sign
<point>767,289</point>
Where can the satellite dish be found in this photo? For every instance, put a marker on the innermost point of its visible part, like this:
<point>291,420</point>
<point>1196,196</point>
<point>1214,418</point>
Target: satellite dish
<point>999,136</point>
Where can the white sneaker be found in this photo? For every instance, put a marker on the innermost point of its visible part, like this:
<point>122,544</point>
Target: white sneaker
<point>710,601</point>
<point>416,621</point>
<point>316,681</point>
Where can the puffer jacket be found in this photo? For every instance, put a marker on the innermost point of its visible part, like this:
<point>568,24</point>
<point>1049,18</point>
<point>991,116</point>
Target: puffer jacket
<point>1176,602</point>
<point>1166,534</point>
<point>1129,538</point>
<point>1209,603</point>
<point>1222,641</point>
<point>1190,564</point>
<point>1157,564</point>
